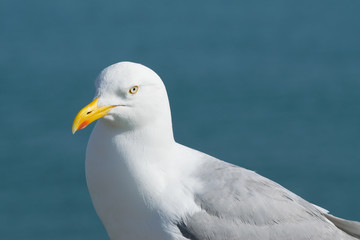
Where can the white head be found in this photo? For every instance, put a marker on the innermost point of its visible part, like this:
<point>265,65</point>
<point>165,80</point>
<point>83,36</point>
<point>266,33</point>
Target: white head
<point>128,96</point>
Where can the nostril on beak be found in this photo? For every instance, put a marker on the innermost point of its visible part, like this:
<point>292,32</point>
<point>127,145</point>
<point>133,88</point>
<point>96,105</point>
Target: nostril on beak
<point>88,112</point>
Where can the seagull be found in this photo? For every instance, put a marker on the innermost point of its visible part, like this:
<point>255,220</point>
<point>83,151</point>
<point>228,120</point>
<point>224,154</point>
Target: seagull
<point>145,185</point>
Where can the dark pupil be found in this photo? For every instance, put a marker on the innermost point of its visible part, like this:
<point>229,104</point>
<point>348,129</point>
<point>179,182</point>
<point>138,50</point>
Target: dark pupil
<point>134,89</point>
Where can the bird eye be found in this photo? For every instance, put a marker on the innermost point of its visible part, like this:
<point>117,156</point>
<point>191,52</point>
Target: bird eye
<point>133,89</point>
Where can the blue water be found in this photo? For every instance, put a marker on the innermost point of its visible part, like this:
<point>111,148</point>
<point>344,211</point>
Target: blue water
<point>269,85</point>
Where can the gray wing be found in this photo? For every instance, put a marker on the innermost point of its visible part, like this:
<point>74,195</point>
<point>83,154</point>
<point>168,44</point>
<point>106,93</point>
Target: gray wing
<point>350,227</point>
<point>239,204</point>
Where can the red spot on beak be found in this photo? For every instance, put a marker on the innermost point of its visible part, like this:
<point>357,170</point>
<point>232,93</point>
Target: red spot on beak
<point>83,124</point>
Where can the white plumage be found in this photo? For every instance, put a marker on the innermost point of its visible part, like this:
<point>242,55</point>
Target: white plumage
<point>144,185</point>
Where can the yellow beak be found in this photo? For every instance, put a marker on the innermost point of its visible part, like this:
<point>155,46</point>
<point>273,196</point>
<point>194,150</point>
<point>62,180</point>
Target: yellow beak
<point>89,114</point>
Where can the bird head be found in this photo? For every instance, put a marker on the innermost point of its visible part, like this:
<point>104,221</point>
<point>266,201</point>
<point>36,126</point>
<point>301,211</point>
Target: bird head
<point>128,95</point>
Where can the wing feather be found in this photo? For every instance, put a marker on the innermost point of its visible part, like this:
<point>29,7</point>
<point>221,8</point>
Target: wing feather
<point>239,204</point>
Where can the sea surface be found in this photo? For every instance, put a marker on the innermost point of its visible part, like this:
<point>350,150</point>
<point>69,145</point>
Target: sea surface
<point>273,86</point>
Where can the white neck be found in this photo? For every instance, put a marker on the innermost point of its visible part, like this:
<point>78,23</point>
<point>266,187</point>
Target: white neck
<point>151,159</point>
<point>145,151</point>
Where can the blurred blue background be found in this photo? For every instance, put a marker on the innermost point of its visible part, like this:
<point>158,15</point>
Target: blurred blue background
<point>269,85</point>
